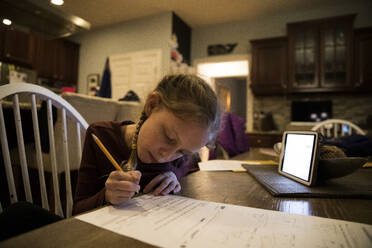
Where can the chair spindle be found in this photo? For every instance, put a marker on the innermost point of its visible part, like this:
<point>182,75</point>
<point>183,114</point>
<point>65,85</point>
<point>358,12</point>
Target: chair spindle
<point>39,157</point>
<point>6,156</point>
<point>66,160</point>
<point>53,160</point>
<point>21,149</point>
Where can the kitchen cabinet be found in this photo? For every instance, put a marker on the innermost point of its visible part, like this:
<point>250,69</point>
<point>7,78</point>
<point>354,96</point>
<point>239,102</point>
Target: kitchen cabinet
<point>269,66</point>
<point>17,47</point>
<point>320,55</point>
<point>66,58</point>
<point>2,40</point>
<point>57,60</point>
<point>363,59</point>
<point>71,61</point>
<point>44,57</point>
<point>53,59</point>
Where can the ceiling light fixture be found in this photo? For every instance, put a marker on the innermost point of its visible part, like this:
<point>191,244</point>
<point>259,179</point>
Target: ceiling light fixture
<point>57,2</point>
<point>7,21</point>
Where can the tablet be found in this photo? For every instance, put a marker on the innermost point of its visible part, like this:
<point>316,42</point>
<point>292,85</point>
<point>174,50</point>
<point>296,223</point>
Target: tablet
<point>299,156</point>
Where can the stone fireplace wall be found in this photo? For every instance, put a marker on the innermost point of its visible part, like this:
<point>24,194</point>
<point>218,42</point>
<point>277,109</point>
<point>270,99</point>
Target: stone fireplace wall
<point>354,108</point>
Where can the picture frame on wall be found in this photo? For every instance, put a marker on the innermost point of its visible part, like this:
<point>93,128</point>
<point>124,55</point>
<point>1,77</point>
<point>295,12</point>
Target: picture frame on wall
<point>93,83</point>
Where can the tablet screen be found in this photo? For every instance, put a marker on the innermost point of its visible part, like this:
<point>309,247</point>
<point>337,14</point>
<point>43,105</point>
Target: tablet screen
<point>299,155</point>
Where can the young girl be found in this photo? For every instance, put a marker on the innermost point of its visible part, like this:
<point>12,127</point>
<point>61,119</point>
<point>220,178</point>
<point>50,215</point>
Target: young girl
<point>180,116</point>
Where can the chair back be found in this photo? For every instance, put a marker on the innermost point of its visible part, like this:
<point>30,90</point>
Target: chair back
<point>335,128</point>
<point>20,96</point>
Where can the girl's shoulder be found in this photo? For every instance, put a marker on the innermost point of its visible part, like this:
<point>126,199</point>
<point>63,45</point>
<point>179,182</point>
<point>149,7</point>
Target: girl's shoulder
<point>110,134</point>
<point>108,125</point>
<point>108,130</point>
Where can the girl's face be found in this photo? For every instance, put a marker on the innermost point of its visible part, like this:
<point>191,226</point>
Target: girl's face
<point>164,137</point>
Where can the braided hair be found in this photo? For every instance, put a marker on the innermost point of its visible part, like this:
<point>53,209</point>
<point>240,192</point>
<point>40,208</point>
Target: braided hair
<point>133,160</point>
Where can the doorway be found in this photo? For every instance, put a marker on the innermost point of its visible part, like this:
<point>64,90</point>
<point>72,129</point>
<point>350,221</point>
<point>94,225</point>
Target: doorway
<point>231,73</point>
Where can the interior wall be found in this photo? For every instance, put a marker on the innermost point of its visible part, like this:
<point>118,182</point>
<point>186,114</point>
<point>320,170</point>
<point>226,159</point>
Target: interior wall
<point>272,26</point>
<point>142,34</point>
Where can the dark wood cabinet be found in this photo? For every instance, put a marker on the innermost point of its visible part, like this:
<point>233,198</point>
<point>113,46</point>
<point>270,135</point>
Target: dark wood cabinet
<point>363,59</point>
<point>18,47</point>
<point>325,55</point>
<point>303,56</point>
<point>320,55</point>
<point>44,57</point>
<point>60,60</point>
<point>57,60</point>
<point>70,62</point>
<point>269,66</point>
<point>264,139</point>
<point>2,40</point>
<point>336,56</point>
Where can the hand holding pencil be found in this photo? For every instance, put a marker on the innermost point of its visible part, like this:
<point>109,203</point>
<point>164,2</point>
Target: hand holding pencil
<point>120,186</point>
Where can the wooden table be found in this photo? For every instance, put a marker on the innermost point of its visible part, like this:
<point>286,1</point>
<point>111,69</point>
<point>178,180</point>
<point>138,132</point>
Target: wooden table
<point>228,187</point>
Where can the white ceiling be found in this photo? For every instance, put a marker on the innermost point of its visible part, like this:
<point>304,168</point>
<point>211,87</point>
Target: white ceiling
<point>195,13</point>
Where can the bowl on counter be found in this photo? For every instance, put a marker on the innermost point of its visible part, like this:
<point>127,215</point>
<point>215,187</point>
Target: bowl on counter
<point>339,167</point>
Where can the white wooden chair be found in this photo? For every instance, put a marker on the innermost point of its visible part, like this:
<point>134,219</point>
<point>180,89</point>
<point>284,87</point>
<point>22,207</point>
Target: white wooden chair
<point>11,94</point>
<point>335,128</point>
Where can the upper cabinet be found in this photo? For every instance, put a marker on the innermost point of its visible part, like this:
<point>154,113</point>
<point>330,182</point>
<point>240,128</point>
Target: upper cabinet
<point>57,60</point>
<point>71,61</point>
<point>17,47</point>
<point>363,59</point>
<point>53,59</point>
<point>45,55</point>
<point>2,40</point>
<point>320,55</point>
<point>269,66</point>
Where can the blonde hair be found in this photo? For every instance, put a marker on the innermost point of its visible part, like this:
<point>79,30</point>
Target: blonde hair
<point>189,98</point>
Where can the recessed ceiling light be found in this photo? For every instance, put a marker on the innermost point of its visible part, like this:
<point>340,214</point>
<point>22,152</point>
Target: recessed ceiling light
<point>57,2</point>
<point>7,21</point>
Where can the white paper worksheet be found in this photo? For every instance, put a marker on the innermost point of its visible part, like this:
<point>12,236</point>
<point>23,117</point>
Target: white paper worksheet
<point>224,165</point>
<point>176,221</point>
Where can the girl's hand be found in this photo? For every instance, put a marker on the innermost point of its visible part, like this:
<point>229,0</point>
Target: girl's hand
<point>121,186</point>
<point>167,182</point>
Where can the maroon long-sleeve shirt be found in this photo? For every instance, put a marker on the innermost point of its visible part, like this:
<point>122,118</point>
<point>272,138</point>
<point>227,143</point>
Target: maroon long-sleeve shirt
<point>95,167</point>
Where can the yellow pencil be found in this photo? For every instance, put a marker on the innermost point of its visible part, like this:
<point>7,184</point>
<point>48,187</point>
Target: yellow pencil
<point>106,152</point>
